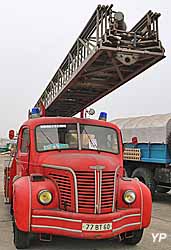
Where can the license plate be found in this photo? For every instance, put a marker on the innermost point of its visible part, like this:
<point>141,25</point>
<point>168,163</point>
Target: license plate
<point>96,227</point>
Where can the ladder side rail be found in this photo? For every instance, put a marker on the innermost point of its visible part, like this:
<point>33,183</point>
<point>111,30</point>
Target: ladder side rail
<point>93,27</point>
<point>101,29</point>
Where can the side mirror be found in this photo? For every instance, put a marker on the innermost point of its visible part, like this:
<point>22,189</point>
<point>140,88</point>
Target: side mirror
<point>11,134</point>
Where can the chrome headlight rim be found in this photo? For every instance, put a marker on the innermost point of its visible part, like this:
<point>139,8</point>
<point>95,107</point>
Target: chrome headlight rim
<point>124,197</point>
<point>40,193</point>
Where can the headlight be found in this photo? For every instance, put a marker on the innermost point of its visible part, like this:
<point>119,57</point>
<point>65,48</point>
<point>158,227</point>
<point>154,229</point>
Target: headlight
<point>45,197</point>
<point>129,196</point>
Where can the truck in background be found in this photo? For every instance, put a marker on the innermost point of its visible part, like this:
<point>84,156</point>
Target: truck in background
<point>147,150</point>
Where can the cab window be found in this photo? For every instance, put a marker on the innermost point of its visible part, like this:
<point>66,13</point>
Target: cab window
<point>25,140</point>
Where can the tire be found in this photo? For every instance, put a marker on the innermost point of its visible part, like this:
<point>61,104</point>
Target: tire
<point>162,190</point>
<point>145,175</point>
<point>21,239</point>
<point>134,237</point>
<point>128,172</point>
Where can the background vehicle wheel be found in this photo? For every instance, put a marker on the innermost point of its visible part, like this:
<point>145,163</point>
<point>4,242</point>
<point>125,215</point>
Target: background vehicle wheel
<point>145,175</point>
<point>128,172</point>
<point>163,190</point>
<point>21,239</point>
<point>134,237</point>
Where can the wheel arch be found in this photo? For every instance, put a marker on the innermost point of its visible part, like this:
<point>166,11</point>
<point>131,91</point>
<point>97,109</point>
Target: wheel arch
<point>146,204</point>
<point>22,199</point>
<point>25,198</point>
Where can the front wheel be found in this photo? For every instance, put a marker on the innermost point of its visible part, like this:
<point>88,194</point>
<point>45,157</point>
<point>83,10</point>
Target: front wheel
<point>133,237</point>
<point>21,239</point>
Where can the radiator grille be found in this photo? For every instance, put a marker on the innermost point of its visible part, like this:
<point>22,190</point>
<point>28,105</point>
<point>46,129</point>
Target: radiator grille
<point>63,181</point>
<point>86,191</point>
<point>107,192</point>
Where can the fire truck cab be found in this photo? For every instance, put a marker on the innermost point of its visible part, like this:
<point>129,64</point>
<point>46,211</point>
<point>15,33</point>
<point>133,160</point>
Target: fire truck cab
<point>67,178</point>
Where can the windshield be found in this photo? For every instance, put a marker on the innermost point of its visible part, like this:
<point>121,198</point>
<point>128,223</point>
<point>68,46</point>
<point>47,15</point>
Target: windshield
<point>65,136</point>
<point>99,138</point>
<point>56,136</point>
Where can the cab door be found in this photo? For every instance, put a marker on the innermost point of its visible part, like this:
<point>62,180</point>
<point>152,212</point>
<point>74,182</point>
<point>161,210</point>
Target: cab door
<point>23,153</point>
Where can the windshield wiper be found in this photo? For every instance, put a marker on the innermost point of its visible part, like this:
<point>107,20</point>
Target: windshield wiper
<point>48,139</point>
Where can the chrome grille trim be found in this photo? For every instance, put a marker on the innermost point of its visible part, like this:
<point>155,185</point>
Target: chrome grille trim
<point>114,189</point>
<point>97,167</point>
<point>75,180</point>
<point>95,181</point>
<point>55,218</point>
<point>100,191</point>
<point>127,225</point>
<point>57,228</point>
<point>126,216</point>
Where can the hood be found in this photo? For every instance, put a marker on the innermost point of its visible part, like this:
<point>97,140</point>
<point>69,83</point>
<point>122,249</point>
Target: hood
<point>82,161</point>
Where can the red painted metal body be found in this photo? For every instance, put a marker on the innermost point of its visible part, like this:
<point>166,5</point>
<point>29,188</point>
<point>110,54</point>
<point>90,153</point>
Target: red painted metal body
<point>65,174</point>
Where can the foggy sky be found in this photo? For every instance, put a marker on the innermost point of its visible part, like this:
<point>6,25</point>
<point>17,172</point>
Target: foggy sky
<point>35,37</point>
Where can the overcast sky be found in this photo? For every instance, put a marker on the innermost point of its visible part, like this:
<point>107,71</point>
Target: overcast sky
<point>36,35</point>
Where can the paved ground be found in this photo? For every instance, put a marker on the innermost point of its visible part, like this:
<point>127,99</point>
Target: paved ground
<point>161,223</point>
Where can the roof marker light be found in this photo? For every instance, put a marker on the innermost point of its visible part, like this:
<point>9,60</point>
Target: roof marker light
<point>35,112</point>
<point>103,116</point>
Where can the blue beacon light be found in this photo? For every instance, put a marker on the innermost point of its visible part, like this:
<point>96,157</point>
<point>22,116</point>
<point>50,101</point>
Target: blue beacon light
<point>35,112</point>
<point>103,116</point>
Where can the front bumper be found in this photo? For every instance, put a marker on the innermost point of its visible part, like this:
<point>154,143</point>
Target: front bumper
<point>70,224</point>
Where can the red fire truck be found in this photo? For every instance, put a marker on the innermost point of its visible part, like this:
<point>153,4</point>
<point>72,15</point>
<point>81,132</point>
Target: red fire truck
<point>68,180</point>
<point>67,176</point>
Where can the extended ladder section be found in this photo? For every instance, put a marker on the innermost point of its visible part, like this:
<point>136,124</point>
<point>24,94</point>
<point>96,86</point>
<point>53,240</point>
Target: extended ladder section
<point>104,57</point>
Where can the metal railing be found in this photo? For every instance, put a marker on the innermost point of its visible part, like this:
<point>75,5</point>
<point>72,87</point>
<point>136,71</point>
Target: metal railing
<point>105,28</point>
